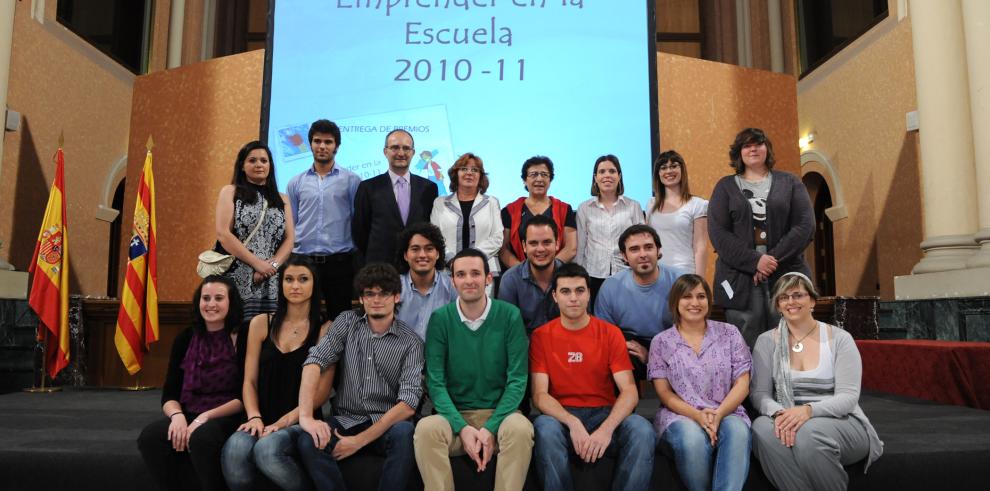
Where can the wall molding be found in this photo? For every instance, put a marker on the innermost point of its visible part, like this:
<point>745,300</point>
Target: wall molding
<point>105,210</point>
<point>815,161</point>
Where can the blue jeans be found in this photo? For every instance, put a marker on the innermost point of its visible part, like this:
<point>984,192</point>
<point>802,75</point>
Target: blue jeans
<point>692,450</point>
<point>396,445</point>
<point>633,445</point>
<point>275,456</point>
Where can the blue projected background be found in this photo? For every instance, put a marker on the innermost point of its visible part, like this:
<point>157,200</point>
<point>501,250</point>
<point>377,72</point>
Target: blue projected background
<point>505,79</point>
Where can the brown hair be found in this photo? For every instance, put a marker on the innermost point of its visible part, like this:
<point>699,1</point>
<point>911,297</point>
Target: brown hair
<point>789,281</point>
<point>746,137</point>
<point>681,287</point>
<point>659,190</point>
<point>618,168</point>
<point>463,161</point>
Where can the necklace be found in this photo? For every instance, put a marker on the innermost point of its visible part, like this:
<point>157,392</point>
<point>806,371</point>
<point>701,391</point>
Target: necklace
<point>798,346</point>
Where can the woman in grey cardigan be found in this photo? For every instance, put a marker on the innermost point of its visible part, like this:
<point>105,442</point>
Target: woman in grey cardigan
<point>759,220</point>
<point>805,386</point>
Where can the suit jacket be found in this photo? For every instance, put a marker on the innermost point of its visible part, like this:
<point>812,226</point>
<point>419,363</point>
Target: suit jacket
<point>377,222</point>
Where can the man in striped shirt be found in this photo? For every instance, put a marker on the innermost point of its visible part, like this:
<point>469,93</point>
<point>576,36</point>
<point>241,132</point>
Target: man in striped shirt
<point>379,369</point>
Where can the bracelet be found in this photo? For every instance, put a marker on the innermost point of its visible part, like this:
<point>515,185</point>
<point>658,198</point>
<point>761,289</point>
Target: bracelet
<point>170,416</point>
<point>254,417</point>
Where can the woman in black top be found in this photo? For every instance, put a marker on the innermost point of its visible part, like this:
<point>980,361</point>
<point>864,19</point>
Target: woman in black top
<point>201,396</point>
<point>277,345</point>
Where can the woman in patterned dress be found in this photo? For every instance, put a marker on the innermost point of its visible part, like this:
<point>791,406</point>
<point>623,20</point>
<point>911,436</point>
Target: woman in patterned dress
<point>700,369</point>
<point>239,208</point>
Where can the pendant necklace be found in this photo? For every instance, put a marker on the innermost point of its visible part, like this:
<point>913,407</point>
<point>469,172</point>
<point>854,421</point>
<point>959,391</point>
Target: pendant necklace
<point>798,346</point>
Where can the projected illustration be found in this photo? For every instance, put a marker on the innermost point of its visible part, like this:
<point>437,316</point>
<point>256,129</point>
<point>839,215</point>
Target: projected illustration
<point>569,79</point>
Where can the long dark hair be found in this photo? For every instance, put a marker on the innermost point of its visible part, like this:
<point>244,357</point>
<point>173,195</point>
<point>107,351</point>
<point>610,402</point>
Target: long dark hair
<point>659,190</point>
<point>244,189</point>
<point>235,310</point>
<point>282,304</point>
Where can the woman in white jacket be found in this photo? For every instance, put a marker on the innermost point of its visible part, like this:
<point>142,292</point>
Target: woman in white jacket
<point>468,217</point>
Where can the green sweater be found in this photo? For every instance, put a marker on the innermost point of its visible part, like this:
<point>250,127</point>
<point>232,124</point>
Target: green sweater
<point>483,369</point>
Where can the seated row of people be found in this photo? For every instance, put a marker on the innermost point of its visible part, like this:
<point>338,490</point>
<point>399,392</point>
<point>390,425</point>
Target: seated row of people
<point>265,419</point>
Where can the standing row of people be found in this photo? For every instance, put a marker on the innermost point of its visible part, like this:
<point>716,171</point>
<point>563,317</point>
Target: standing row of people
<point>759,221</point>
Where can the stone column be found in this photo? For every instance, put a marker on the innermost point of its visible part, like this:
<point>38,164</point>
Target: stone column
<point>976,26</point>
<point>176,19</point>
<point>6,42</point>
<point>948,176</point>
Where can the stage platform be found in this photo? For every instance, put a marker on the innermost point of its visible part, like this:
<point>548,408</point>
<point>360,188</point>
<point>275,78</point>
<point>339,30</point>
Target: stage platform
<point>85,439</point>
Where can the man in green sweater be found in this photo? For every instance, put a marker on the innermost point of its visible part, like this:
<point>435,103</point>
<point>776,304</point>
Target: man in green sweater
<point>476,370</point>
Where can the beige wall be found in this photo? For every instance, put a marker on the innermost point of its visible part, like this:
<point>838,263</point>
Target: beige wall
<point>199,116</point>
<point>704,104</point>
<point>856,105</point>
<point>59,83</point>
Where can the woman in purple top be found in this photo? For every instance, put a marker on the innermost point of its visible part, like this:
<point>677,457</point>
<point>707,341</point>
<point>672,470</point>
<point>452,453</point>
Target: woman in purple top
<point>700,370</point>
<point>201,398</point>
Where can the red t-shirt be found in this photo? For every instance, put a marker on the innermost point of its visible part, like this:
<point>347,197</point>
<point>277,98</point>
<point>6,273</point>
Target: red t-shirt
<point>579,363</point>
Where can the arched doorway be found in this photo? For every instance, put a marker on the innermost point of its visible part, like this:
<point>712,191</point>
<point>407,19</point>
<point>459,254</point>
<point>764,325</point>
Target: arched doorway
<point>113,250</point>
<point>821,254</point>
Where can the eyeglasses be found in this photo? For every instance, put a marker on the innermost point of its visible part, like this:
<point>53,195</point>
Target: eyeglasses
<point>796,296</point>
<point>669,166</point>
<point>371,295</point>
<point>400,148</point>
<point>535,174</point>
<point>469,170</point>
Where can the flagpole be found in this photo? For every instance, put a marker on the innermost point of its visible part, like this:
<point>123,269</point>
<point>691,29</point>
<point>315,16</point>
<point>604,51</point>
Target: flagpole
<point>137,385</point>
<point>44,373</point>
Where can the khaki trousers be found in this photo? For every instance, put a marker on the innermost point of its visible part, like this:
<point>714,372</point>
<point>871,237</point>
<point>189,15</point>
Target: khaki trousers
<point>435,442</point>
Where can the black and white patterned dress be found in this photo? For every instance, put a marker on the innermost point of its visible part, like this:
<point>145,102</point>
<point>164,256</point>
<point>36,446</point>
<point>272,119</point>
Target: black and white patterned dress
<point>258,297</point>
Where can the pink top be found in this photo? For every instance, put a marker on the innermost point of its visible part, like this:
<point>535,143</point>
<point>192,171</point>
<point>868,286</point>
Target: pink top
<point>703,379</point>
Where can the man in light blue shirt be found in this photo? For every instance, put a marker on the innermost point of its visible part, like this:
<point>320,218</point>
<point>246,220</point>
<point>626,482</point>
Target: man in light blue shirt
<point>425,286</point>
<point>322,200</point>
<point>635,299</point>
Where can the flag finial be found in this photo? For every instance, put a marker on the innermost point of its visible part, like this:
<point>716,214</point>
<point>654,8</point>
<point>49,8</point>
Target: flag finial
<point>151,143</point>
<point>61,138</point>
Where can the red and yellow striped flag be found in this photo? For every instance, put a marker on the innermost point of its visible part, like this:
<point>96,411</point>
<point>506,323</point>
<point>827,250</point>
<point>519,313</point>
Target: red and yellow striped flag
<point>50,284</point>
<point>137,320</point>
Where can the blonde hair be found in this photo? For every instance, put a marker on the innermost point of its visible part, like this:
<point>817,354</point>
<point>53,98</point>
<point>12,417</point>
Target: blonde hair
<point>792,280</point>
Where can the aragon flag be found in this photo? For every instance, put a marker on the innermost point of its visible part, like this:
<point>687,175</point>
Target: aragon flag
<point>50,284</point>
<point>137,320</point>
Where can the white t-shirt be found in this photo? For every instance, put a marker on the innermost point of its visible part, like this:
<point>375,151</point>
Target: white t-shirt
<point>676,230</point>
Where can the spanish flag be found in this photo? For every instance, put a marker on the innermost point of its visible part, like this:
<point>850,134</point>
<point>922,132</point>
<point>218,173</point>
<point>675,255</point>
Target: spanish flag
<point>50,284</point>
<point>137,320</point>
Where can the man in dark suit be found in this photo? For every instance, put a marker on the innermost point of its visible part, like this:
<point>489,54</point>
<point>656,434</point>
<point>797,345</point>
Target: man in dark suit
<point>387,203</point>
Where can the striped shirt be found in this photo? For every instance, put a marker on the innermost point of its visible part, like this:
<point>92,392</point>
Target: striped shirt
<point>375,371</point>
<point>818,383</point>
<point>598,231</point>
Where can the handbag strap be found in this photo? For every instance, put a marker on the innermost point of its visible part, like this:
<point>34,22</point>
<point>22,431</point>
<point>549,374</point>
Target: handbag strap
<point>261,219</point>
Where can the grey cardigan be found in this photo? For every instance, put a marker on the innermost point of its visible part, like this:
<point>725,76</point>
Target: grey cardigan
<point>790,228</point>
<point>848,378</point>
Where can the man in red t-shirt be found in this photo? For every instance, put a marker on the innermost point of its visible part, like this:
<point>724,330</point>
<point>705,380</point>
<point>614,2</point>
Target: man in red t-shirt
<point>577,361</point>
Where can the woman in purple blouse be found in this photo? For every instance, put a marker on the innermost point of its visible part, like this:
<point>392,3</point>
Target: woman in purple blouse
<point>201,398</point>
<point>700,369</point>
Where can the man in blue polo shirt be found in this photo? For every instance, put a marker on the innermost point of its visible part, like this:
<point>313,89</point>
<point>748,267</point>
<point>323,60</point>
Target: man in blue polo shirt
<point>527,284</point>
<point>635,299</point>
<point>322,200</point>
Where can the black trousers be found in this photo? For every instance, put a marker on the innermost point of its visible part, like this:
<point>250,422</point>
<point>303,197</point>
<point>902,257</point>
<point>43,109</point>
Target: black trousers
<point>336,274</point>
<point>196,468</point>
